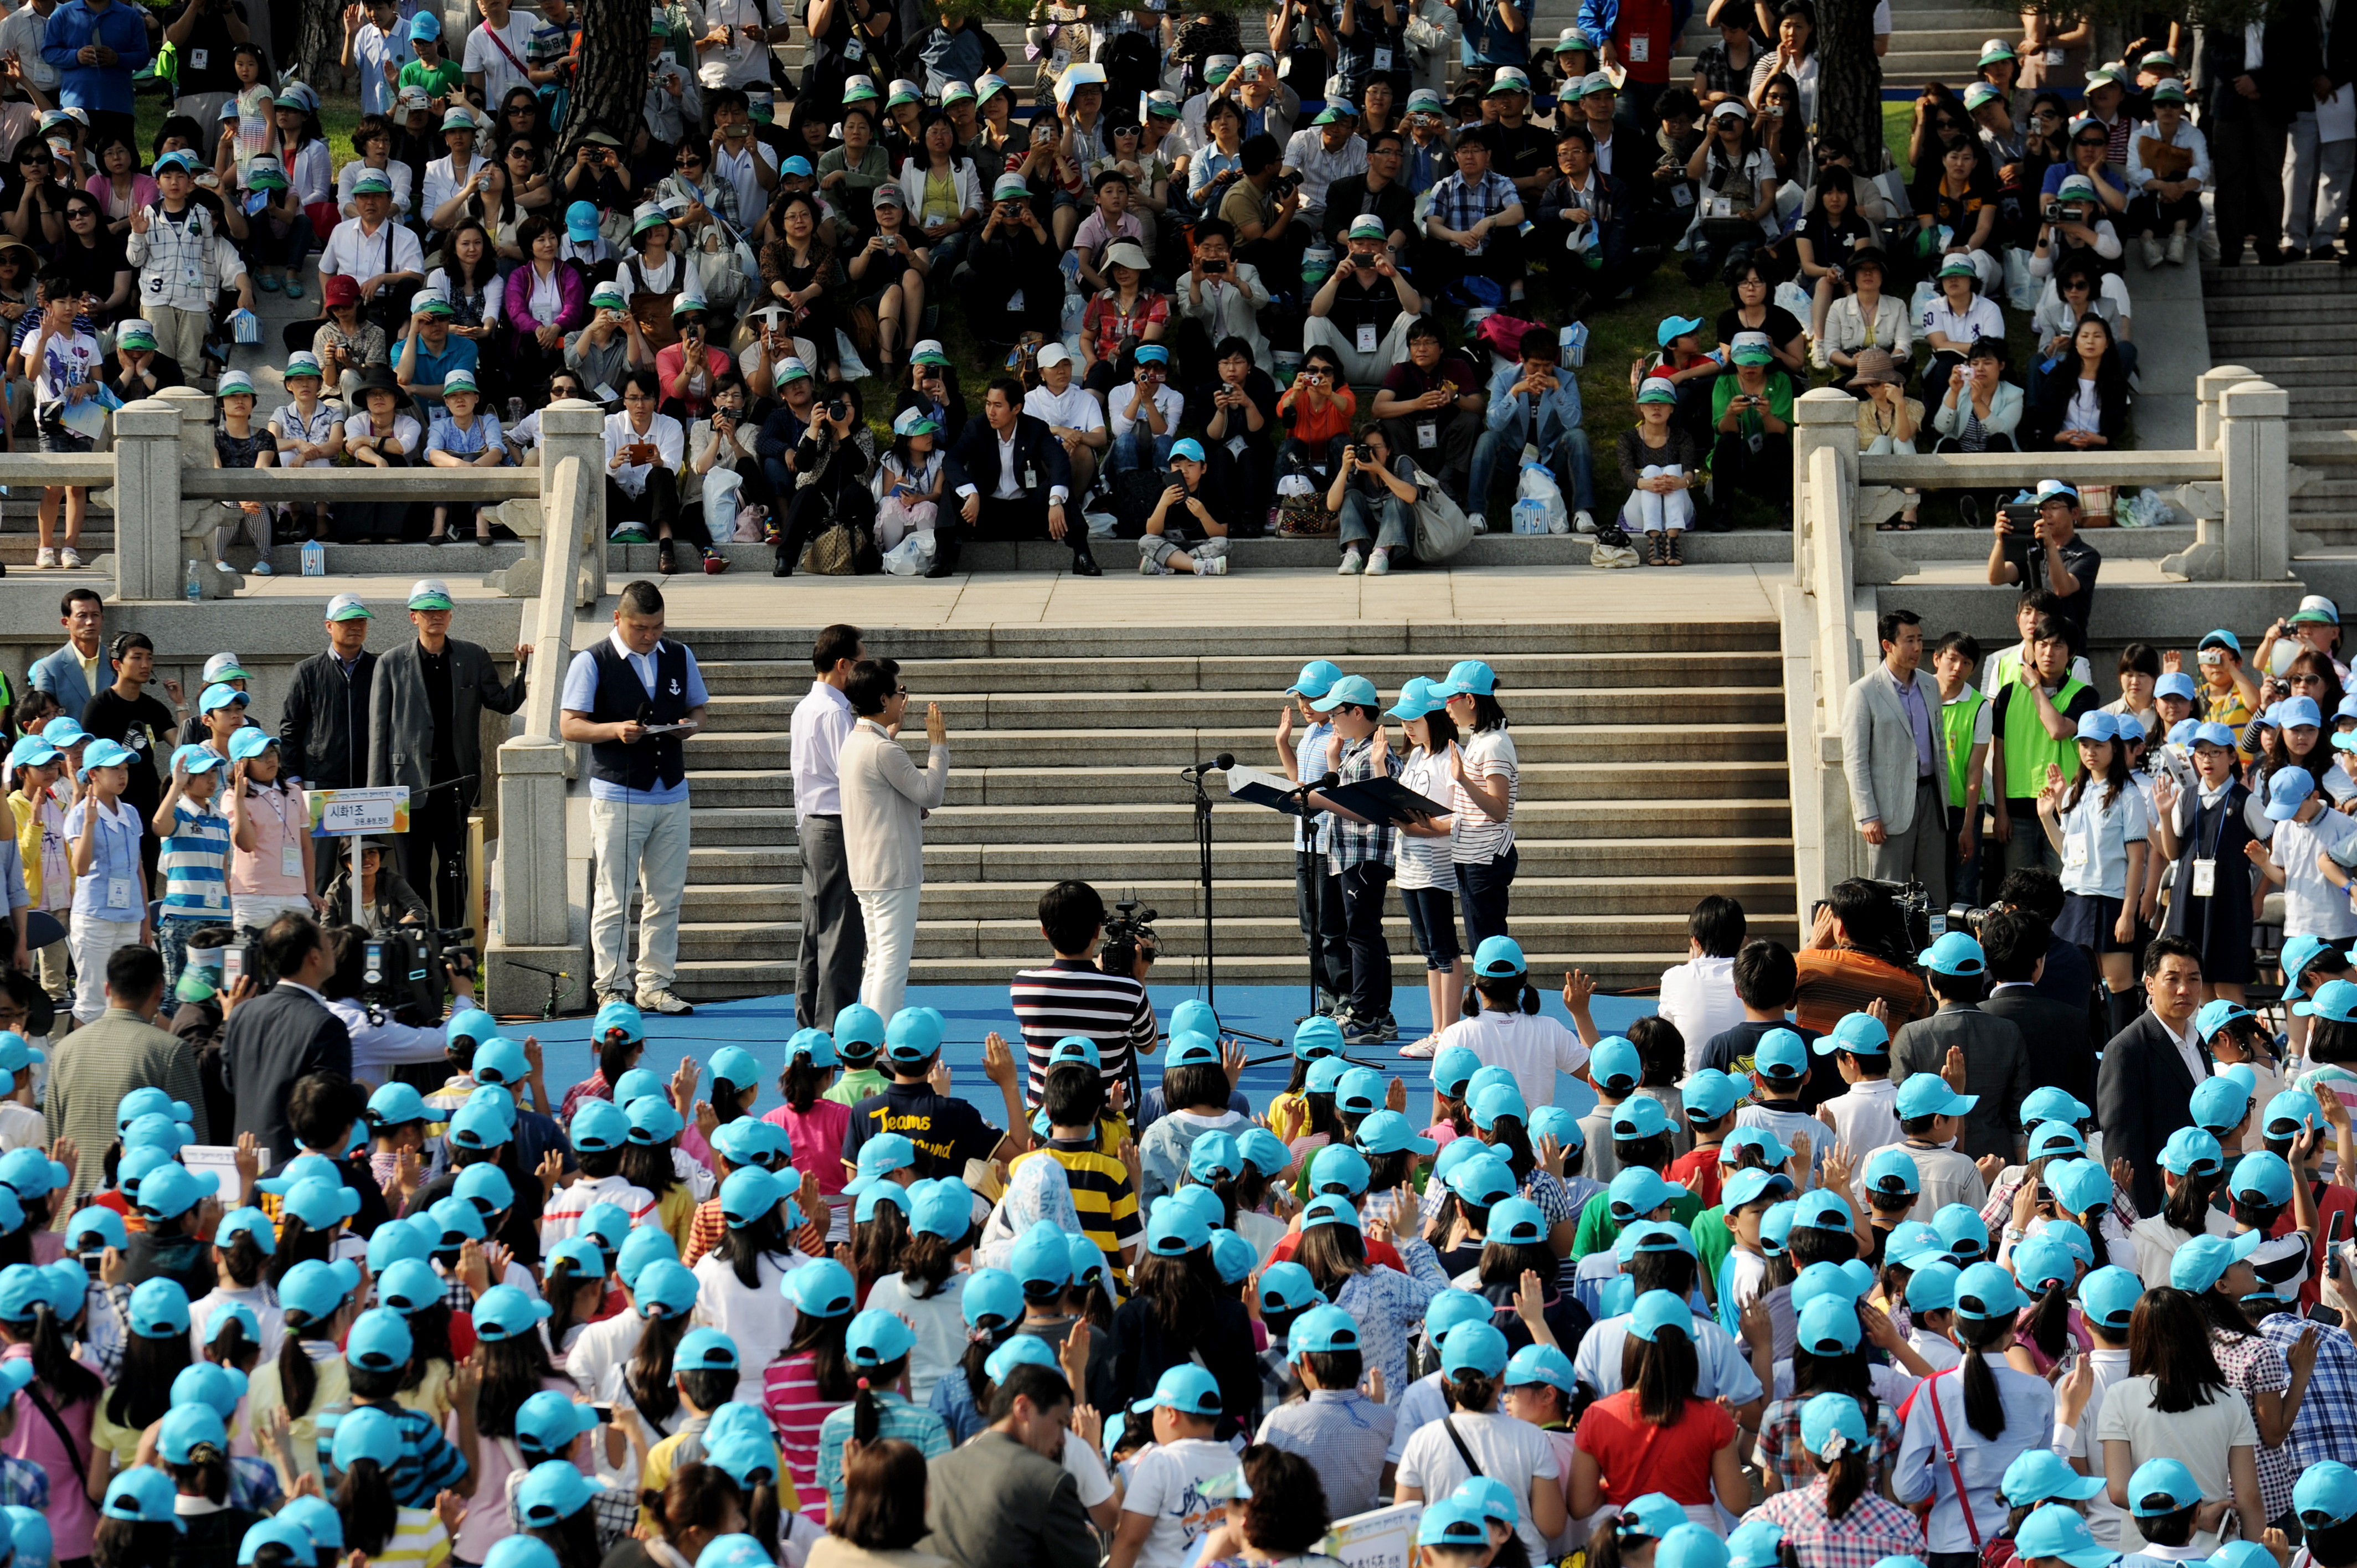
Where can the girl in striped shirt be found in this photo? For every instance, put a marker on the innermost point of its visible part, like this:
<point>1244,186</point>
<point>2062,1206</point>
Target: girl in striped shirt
<point>195,856</point>
<point>813,1378</point>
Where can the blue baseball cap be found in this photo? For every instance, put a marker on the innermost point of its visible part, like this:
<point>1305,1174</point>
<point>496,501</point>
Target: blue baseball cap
<point>1859,1034</point>
<point>2200,1264</point>
<point>1658,1311</point>
<point>1832,1415</point>
<point>752,1141</point>
<point>1928,1094</point>
<point>1614,1066</point>
<point>2039,1474</point>
<point>2162,1486</point>
<point>2326,1494</point>
<point>1780,1055</point>
<point>2079,1186</point>
<point>1022,1350</point>
<point>1827,1326</point>
<point>2220,1103</point>
<point>2288,790</point>
<point>188,1427</point>
<point>1893,1171</point>
<point>1541,1364</point>
<point>2215,1015</point>
<point>2048,1139</point>
<point>878,1158</point>
<point>1709,1095</point>
<point>1317,1037</point>
<point>822,1289</point>
<point>1673,328</point>
<point>1756,1543</point>
<point>1175,1230</point>
<point>1333,1209</point>
<point>598,1125</point>
<point>317,1289</point>
<point>2107,1298</point>
<point>2335,1000</point>
<point>1288,1287</point>
<point>1451,1310</point>
<point>1772,1148</point>
<point>504,1312</point>
<point>1932,1288</point>
<point>1317,678</point>
<point>942,1208</point>
<point>1818,1210</point>
<point>210,1383</point>
<point>1644,1236</point>
<point>665,1289</point>
<point>2264,1174</point>
<point>2291,1112</point>
<point>1913,1244</point>
<point>2056,1531</point>
<point>1956,952</point>
<point>160,1309</point>
<point>1475,1347</point>
<point>1639,1116</point>
<point>1556,1121</point>
<point>1517,1222</point>
<point>1749,1186</point>
<point>2175,684</point>
<point>2043,1261</point>
<point>1467,678</point>
<point>143,1495</point>
<point>1986,1291</point>
<point>1187,1389</point>
<point>1636,1192</point>
<point>1456,1522</point>
<point>1496,1102</point>
<point>170,1191</point>
<point>1351,689</point>
<point>1359,1092</point>
<point>280,1530</point>
<point>913,1035</point>
<point>551,1492</point>
<point>380,1341</point>
<point>1385,1133</point>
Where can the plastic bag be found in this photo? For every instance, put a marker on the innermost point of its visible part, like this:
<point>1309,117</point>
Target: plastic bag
<point>2022,290</point>
<point>1794,299</point>
<point>1537,485</point>
<point>851,366</point>
<point>913,556</point>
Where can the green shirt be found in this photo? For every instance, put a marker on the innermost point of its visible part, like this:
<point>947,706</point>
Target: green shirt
<point>1713,1243</point>
<point>1597,1229</point>
<point>855,1084</point>
<point>1779,389</point>
<point>438,81</point>
<point>2028,748</point>
<point>1959,718</point>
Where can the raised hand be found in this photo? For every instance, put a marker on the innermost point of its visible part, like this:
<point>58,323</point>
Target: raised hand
<point>1951,1069</point>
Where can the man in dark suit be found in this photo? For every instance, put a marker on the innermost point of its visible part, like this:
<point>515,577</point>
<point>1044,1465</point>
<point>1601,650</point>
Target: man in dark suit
<point>1995,1070</point>
<point>2252,104</point>
<point>2061,1053</point>
<point>1013,481</point>
<point>1005,1499</point>
<point>2066,976</point>
<point>283,1035</point>
<point>2152,1067</point>
<point>425,728</point>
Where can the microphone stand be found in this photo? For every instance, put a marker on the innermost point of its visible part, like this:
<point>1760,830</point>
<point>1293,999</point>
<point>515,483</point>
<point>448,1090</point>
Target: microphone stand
<point>1300,795</point>
<point>1194,776</point>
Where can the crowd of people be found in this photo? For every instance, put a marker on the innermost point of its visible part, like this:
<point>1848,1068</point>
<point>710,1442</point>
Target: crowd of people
<point>292,1273</point>
<point>1313,282</point>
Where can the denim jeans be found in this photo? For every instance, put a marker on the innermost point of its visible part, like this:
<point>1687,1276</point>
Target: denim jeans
<point>1394,527</point>
<point>1485,889</point>
<point>1568,461</point>
<point>172,934</point>
<point>1432,920</point>
<point>1140,449</point>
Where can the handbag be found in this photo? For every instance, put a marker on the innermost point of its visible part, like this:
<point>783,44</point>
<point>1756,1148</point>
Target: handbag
<point>1306,516</point>
<point>1442,528</point>
<point>835,552</point>
<point>1995,1553</point>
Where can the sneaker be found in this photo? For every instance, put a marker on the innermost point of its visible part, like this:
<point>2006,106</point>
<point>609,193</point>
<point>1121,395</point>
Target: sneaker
<point>1352,563</point>
<point>1421,1050</point>
<point>2177,244</point>
<point>69,558</point>
<point>262,569</point>
<point>1583,522</point>
<point>1480,524</point>
<point>1149,567</point>
<point>45,559</point>
<point>1217,566</point>
<point>1379,564</point>
<point>223,567</point>
<point>2151,254</point>
<point>1356,1034</point>
<point>662,1000</point>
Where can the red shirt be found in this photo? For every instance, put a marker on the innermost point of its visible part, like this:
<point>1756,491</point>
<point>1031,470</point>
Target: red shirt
<point>1701,1164</point>
<point>1642,35</point>
<point>1381,1253</point>
<point>1638,1457</point>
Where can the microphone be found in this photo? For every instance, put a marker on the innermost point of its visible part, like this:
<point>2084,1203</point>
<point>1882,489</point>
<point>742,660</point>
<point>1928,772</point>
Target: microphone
<point>1219,763</point>
<point>1319,785</point>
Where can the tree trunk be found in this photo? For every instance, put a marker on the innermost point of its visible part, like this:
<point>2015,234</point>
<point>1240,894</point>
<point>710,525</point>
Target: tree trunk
<point>1849,79</point>
<point>610,94</point>
<point>318,42</point>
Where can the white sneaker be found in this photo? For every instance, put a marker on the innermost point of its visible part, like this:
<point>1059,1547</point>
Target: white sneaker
<point>1352,563</point>
<point>1480,524</point>
<point>2151,254</point>
<point>662,1000</point>
<point>1217,566</point>
<point>69,558</point>
<point>2177,243</point>
<point>1583,522</point>
<point>1379,564</point>
<point>1422,1048</point>
<point>1148,567</point>
<point>44,559</point>
<point>223,567</point>
<point>262,569</point>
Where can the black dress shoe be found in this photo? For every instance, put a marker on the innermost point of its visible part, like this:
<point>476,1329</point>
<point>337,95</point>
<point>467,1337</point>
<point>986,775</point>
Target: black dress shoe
<point>1085,565</point>
<point>784,568</point>
<point>941,568</point>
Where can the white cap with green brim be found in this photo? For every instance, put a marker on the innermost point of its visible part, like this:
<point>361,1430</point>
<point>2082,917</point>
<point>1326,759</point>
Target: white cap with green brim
<point>956,92</point>
<point>232,383</point>
<point>347,607</point>
<point>1573,39</point>
<point>792,369</point>
<point>2075,187</point>
<point>859,88</point>
<point>915,422</point>
<point>903,92</point>
<point>458,382</point>
<point>429,594</point>
<point>430,302</point>
<point>1424,101</point>
<point>687,302</point>
<point>609,297</point>
<point>301,362</point>
<point>372,182</point>
<point>983,86</point>
<point>1010,188</point>
<point>1994,50</point>
<point>1981,92</point>
<point>1959,267</point>
<point>1219,68</point>
<point>648,216</point>
<point>1365,226</point>
<point>456,119</point>
<point>2169,90</point>
<point>134,335</point>
<point>1508,80</point>
<point>928,352</point>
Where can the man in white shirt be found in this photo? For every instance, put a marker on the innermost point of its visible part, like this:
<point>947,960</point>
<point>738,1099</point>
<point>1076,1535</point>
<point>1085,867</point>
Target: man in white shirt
<point>495,53</point>
<point>1698,995</point>
<point>1145,413</point>
<point>733,50</point>
<point>372,250</point>
<point>1327,150</point>
<point>1071,413</point>
<point>834,940</point>
<point>22,35</point>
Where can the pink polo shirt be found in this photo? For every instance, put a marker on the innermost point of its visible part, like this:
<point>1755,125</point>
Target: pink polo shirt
<point>280,820</point>
<point>73,1518</point>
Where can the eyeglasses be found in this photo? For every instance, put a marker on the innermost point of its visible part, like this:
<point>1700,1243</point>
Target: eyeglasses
<point>74,212</point>
<point>2095,141</point>
<point>515,109</point>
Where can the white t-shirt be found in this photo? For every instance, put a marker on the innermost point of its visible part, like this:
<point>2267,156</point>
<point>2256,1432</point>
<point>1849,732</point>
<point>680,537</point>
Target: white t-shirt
<point>1426,862</point>
<point>2200,1439</point>
<point>1173,407</point>
<point>760,1320</point>
<point>1479,840</point>
<point>1502,1445</point>
<point>1699,997</point>
<point>2103,1514</point>
<point>560,1218</point>
<point>2313,906</point>
<point>1076,410</point>
<point>940,1322</point>
<point>1166,1483</point>
<point>1087,1471</point>
<point>1531,1046</point>
<point>484,54</point>
<point>1866,1118</point>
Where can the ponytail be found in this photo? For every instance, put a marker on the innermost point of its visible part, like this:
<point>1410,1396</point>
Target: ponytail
<point>244,1259</point>
<point>2048,1327</point>
<point>365,1500</point>
<point>1469,1390</point>
<point>977,1353</point>
<point>867,1414</point>
<point>298,1381</point>
<point>802,1083</point>
<point>1984,1405</point>
<point>2186,1210</point>
<point>54,1363</point>
<point>1845,1478</point>
<point>231,1348</point>
<point>648,1377</point>
<point>1503,993</point>
<point>206,1475</point>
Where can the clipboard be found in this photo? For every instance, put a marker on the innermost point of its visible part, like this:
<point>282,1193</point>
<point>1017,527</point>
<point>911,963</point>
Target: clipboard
<point>1384,800</point>
<point>1261,788</point>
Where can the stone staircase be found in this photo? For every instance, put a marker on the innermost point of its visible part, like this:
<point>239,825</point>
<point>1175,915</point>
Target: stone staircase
<point>1065,748</point>
<point>2297,326</point>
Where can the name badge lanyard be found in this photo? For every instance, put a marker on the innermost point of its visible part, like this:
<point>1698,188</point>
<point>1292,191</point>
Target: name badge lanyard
<point>2205,866</point>
<point>290,853</point>
<point>120,846</point>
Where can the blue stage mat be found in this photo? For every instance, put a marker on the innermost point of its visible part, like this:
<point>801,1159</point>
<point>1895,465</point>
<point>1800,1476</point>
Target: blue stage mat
<point>762,1025</point>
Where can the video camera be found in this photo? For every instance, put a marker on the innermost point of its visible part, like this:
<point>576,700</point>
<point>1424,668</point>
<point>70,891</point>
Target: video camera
<point>1916,923</point>
<point>1128,931</point>
<point>405,971</point>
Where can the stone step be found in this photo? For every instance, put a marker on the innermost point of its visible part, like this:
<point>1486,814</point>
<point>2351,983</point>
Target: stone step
<point>2222,283</point>
<point>745,718</point>
<point>718,980</point>
<point>1151,787</point>
<point>1011,942</point>
<point>2324,312</point>
<point>1185,675</point>
<point>1744,732</point>
<point>1763,898</point>
<point>1619,846</point>
<point>1443,641</point>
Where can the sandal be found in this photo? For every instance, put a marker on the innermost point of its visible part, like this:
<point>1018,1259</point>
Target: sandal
<point>1677,547</point>
<point>1657,552</point>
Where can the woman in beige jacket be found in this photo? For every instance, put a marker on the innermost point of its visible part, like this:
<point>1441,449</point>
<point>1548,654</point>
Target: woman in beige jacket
<point>883,1510</point>
<point>886,799</point>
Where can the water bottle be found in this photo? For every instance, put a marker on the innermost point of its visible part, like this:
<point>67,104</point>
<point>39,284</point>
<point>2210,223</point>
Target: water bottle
<point>192,584</point>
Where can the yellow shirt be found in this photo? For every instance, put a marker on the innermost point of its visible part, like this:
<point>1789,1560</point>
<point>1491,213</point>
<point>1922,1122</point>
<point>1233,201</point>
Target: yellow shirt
<point>418,1541</point>
<point>1288,1116</point>
<point>122,1441</point>
<point>29,845</point>
<point>335,1388</point>
<point>432,1394</point>
<point>675,1212</point>
<point>655,1472</point>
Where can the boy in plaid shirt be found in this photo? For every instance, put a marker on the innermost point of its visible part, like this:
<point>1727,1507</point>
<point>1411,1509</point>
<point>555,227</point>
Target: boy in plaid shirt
<point>1359,851</point>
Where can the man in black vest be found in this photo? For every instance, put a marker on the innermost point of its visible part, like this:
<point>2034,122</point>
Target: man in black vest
<point>621,697</point>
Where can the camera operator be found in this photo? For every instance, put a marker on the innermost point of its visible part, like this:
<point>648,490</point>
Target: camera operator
<point>1855,955</point>
<point>1094,988</point>
<point>2071,220</point>
<point>382,1039</point>
<point>2057,560</point>
<point>597,177</point>
<point>831,464</point>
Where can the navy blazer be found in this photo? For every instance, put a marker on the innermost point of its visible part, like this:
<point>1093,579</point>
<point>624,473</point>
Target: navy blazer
<point>975,454</point>
<point>2143,1093</point>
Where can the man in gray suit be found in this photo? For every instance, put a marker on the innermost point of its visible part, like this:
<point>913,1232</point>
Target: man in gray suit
<point>425,724</point>
<point>1989,1050</point>
<point>1004,1499</point>
<point>1895,753</point>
